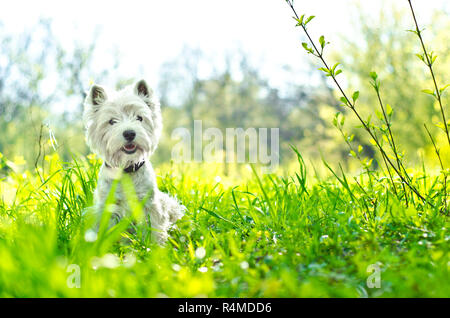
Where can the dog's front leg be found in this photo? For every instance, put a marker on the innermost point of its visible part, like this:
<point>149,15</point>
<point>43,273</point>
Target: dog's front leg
<point>115,212</point>
<point>159,221</point>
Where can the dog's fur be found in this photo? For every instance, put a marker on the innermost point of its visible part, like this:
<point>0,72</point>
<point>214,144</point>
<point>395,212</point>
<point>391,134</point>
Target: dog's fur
<point>107,115</point>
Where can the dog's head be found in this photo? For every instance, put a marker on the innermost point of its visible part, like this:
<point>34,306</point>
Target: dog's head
<point>122,127</point>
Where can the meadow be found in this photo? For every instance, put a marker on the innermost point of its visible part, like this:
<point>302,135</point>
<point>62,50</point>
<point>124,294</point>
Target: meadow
<point>243,235</point>
<point>365,214</point>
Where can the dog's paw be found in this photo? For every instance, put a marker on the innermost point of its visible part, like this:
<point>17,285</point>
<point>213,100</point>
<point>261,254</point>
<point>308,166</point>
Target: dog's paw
<point>172,207</point>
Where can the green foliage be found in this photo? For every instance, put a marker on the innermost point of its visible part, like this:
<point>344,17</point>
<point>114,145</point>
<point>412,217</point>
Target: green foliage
<point>246,100</point>
<point>382,44</point>
<point>382,132</point>
<point>42,87</point>
<point>234,96</point>
<point>291,236</point>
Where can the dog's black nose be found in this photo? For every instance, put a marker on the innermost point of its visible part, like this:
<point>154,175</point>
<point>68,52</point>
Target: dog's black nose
<point>129,134</point>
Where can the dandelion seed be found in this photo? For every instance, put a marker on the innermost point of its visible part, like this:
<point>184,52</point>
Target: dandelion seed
<point>203,269</point>
<point>244,265</point>
<point>176,267</point>
<point>90,236</point>
<point>217,179</point>
<point>200,252</point>
<point>110,261</point>
<point>217,265</point>
<point>129,260</point>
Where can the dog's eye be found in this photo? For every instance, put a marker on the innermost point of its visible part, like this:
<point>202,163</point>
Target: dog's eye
<point>139,118</point>
<point>112,121</point>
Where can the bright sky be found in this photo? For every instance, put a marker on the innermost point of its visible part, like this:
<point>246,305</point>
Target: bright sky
<point>149,33</point>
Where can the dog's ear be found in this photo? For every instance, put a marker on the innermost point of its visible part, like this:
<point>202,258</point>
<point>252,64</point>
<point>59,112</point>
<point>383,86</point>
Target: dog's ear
<point>141,88</point>
<point>97,95</point>
<point>143,91</point>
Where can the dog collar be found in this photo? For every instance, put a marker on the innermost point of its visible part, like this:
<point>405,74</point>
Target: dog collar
<point>133,168</point>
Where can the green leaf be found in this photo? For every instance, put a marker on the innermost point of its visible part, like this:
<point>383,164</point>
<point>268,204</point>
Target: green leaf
<point>335,119</point>
<point>322,41</point>
<point>355,96</point>
<point>443,88</point>
<point>309,19</point>
<point>334,67</point>
<point>433,58</point>
<point>428,91</point>
<point>389,110</point>
<point>360,148</point>
<point>373,75</point>
<point>379,115</point>
<point>307,48</point>
<point>300,21</point>
<point>440,125</point>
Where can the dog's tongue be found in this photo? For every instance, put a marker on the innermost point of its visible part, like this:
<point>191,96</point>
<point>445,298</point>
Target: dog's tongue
<point>129,147</point>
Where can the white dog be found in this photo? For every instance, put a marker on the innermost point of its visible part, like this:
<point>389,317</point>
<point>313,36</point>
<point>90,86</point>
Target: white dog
<point>123,129</point>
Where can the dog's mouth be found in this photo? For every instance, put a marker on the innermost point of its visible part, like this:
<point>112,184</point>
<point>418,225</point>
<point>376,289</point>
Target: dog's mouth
<point>129,148</point>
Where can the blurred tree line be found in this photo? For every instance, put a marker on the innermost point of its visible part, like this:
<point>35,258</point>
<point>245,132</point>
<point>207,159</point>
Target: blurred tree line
<point>385,46</point>
<point>39,78</point>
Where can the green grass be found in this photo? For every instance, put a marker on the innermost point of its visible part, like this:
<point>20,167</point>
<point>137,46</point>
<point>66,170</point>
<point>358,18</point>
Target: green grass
<point>245,235</point>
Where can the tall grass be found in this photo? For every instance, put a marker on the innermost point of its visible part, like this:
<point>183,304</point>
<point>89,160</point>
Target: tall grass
<point>249,235</point>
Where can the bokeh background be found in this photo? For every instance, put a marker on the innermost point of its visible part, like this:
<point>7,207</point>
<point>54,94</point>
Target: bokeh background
<point>228,63</point>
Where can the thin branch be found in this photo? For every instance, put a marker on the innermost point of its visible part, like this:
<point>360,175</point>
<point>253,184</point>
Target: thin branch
<point>429,63</point>
<point>319,54</point>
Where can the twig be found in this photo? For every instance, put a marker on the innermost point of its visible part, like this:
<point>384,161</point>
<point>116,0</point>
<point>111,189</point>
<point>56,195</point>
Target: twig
<point>319,54</point>
<point>429,63</point>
